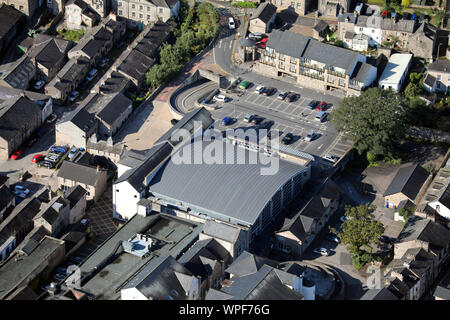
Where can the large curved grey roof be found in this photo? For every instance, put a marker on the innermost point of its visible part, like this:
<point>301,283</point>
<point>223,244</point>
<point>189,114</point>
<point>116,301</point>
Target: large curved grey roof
<point>225,191</point>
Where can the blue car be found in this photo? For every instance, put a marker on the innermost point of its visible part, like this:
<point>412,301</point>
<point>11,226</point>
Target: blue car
<point>227,121</point>
<point>59,149</point>
<point>414,16</point>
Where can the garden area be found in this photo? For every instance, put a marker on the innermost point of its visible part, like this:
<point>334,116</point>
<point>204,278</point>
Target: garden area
<point>199,25</point>
<point>72,35</point>
<point>244,4</point>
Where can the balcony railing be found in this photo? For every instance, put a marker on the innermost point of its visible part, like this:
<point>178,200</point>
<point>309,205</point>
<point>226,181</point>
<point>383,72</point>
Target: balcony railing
<point>312,75</point>
<point>337,74</point>
<point>310,66</point>
<point>272,64</point>
<point>355,86</point>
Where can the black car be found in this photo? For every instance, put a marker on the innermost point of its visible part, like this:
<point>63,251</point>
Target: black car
<point>406,16</point>
<point>291,96</point>
<point>421,17</point>
<point>288,138</point>
<point>266,124</point>
<point>174,121</point>
<point>46,163</point>
<point>269,91</point>
<point>257,119</point>
<point>313,104</point>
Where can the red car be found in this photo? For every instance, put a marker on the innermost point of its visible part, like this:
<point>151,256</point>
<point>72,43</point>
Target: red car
<point>262,43</point>
<point>16,154</point>
<point>37,158</point>
<point>322,106</point>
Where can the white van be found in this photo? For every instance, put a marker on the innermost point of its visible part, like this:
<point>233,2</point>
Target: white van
<point>321,115</point>
<point>231,24</point>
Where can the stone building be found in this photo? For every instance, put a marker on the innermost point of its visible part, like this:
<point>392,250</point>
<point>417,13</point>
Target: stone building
<point>27,7</point>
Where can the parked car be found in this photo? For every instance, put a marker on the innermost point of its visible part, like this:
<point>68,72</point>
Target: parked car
<point>76,260</point>
<point>20,195</point>
<point>282,95</point>
<point>288,138</point>
<point>255,35</point>
<point>249,117</point>
<point>59,277</point>
<point>16,154</point>
<point>62,270</point>
<point>266,124</point>
<point>310,136</point>
<point>322,251</point>
<point>259,89</point>
<point>262,43</point>
<point>37,158</point>
<point>333,238</point>
<point>244,85</point>
<point>58,149</point>
<point>23,189</point>
<point>220,98</point>
<point>51,118</point>
<point>84,222</point>
<point>174,121</point>
<point>231,24</point>
<point>321,115</point>
<point>405,16</point>
<point>291,96</point>
<point>269,91</point>
<point>322,106</point>
<point>73,152</point>
<point>331,158</point>
<point>421,17</point>
<point>39,85</point>
<point>414,16</point>
<point>91,75</point>
<point>312,104</point>
<point>227,121</point>
<point>73,96</point>
<point>257,119</point>
<point>47,164</point>
<point>52,158</point>
<point>103,62</point>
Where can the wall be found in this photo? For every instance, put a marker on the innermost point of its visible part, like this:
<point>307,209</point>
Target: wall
<point>78,211</point>
<point>125,199</point>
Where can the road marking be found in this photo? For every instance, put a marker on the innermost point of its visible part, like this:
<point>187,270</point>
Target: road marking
<point>220,44</point>
<point>231,44</point>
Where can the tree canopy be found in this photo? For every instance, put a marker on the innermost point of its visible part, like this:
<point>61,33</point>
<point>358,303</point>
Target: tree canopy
<point>374,120</point>
<point>361,228</point>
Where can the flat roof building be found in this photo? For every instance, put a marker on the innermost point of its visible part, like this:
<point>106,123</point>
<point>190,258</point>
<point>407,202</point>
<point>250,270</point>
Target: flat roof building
<point>395,72</point>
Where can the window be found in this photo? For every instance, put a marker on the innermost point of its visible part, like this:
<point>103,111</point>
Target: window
<point>360,29</point>
<point>438,77</point>
<point>141,16</point>
<point>148,8</point>
<point>292,3</point>
<point>120,13</point>
<point>141,8</point>
<point>160,10</point>
<point>281,66</point>
<point>292,68</point>
<point>299,5</point>
<point>148,17</point>
<point>293,60</point>
<point>133,14</point>
<point>281,57</point>
<point>21,8</point>
<point>120,4</point>
<point>133,6</point>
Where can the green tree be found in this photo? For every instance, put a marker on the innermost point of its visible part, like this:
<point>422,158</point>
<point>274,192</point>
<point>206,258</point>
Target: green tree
<point>374,120</point>
<point>413,90</point>
<point>361,228</point>
<point>339,43</point>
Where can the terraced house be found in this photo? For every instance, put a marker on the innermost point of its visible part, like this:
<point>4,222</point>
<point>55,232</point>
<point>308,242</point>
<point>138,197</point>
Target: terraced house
<point>303,60</point>
<point>142,12</point>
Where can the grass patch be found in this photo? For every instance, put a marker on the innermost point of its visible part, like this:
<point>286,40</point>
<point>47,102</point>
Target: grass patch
<point>380,3</point>
<point>244,4</point>
<point>72,35</point>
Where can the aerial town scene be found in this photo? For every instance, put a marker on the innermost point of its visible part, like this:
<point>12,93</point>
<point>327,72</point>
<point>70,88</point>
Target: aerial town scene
<point>224,150</point>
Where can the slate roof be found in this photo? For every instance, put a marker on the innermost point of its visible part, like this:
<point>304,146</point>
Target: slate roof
<point>162,277</point>
<point>82,119</point>
<point>440,65</point>
<point>135,64</point>
<point>149,45</point>
<point>321,26</point>
<point>221,231</point>
<point>47,50</point>
<point>379,294</point>
<point>112,107</point>
<point>264,12</point>
<point>75,194</point>
<point>80,173</point>
<point>409,179</point>
<point>443,289</point>
<point>70,73</point>
<point>288,43</point>
<point>20,217</point>
<point>14,114</point>
<point>350,16</point>
<point>10,17</point>
<point>425,230</point>
<point>429,80</point>
<point>17,73</point>
<point>6,197</point>
<point>93,41</point>
<point>115,83</point>
<point>400,25</point>
<point>247,263</point>
<point>348,35</point>
<point>361,71</point>
<point>238,191</point>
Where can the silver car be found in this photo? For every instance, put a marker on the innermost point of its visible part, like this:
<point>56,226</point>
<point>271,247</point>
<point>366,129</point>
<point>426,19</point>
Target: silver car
<point>310,136</point>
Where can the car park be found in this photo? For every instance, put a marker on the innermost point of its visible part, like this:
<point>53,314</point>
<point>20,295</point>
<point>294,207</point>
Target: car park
<point>16,154</point>
<point>73,96</point>
<point>288,138</point>
<point>322,251</point>
<point>227,121</point>
<point>244,85</point>
<point>39,85</point>
<point>38,157</point>
<point>269,91</point>
<point>312,104</point>
<point>103,62</point>
<point>51,118</point>
<point>220,98</point>
<point>249,117</point>
<point>331,158</point>
<point>291,96</point>
<point>231,24</point>
<point>310,136</point>
<point>259,89</point>
<point>91,75</point>
<point>282,95</point>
